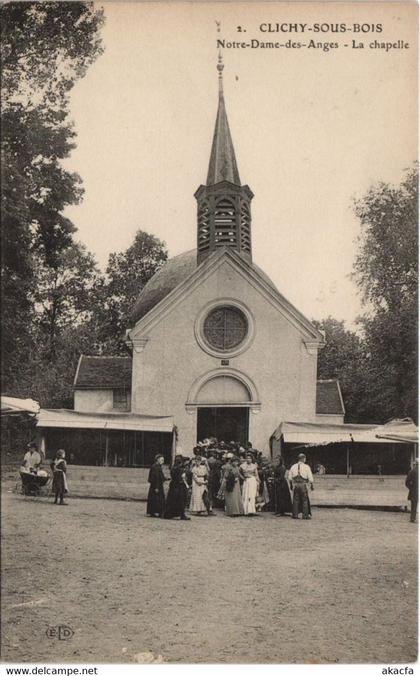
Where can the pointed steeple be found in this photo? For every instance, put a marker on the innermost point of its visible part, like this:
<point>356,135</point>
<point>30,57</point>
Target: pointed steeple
<point>222,166</point>
<point>224,213</point>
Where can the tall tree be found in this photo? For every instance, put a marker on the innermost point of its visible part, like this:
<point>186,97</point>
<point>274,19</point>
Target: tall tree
<point>64,295</point>
<point>45,48</point>
<point>386,265</point>
<point>386,270</point>
<point>344,357</point>
<point>126,275</point>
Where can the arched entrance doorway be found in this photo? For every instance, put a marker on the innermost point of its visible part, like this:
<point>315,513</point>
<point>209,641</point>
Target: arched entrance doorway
<point>223,400</point>
<point>225,424</point>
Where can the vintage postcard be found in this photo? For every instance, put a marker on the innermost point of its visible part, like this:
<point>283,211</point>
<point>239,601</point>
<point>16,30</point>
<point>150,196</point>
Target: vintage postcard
<point>209,334</point>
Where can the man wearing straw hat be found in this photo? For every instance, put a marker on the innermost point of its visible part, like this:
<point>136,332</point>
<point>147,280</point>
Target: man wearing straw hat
<point>300,477</point>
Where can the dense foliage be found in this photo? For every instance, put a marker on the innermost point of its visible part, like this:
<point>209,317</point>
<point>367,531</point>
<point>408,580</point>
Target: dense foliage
<point>377,367</point>
<point>45,48</point>
<point>343,358</point>
<point>126,274</point>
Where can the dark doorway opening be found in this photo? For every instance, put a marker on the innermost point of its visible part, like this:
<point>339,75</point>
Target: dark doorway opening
<point>224,423</point>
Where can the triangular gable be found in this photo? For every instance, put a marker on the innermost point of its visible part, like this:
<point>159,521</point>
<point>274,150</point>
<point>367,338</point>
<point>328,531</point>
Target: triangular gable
<point>250,275</point>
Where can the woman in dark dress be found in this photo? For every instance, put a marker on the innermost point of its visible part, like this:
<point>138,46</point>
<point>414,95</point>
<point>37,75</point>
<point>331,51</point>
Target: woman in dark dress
<point>177,494</point>
<point>282,499</point>
<point>214,480</point>
<point>156,495</point>
<point>269,482</point>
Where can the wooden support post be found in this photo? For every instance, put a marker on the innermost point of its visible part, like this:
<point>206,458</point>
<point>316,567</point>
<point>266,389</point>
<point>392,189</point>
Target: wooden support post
<point>348,460</point>
<point>173,449</point>
<point>41,440</point>
<point>106,448</point>
<point>43,446</point>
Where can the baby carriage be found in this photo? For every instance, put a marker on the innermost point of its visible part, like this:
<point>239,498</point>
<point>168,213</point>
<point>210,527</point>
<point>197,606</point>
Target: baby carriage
<point>32,482</point>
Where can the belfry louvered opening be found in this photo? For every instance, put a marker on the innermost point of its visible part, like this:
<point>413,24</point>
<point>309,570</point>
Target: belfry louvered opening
<point>203,227</point>
<point>245,228</point>
<point>225,228</point>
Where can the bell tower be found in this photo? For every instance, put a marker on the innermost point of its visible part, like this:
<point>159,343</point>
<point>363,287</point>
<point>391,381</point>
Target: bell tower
<point>223,204</point>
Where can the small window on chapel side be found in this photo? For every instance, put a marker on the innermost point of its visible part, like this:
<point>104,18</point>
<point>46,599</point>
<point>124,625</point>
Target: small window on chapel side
<point>120,400</point>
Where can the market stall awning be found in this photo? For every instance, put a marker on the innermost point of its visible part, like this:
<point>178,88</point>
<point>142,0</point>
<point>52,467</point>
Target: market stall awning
<point>104,421</point>
<point>320,434</point>
<point>15,406</point>
<point>404,431</point>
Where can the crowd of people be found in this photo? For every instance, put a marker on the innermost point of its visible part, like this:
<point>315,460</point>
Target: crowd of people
<point>241,481</point>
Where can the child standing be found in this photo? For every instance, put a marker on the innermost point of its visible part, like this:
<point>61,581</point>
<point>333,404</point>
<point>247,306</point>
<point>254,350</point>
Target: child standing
<point>59,469</point>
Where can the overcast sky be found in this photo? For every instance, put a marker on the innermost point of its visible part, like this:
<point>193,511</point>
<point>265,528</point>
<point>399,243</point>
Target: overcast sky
<point>311,128</point>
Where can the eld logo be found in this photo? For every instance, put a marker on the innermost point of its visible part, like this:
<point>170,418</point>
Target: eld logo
<point>62,632</point>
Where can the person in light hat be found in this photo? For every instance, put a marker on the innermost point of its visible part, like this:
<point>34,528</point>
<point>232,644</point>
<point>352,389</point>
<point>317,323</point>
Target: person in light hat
<point>32,458</point>
<point>300,477</point>
<point>251,484</point>
<point>198,456</point>
<point>200,503</point>
<point>30,468</point>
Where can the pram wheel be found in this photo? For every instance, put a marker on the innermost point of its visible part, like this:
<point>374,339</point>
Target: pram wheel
<point>30,489</point>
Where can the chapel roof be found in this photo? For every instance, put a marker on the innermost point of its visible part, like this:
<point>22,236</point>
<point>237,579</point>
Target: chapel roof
<point>329,400</point>
<point>170,275</point>
<point>107,373</point>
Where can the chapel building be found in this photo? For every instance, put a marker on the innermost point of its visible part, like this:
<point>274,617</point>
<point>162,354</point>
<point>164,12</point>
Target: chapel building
<point>214,343</point>
<point>215,346</point>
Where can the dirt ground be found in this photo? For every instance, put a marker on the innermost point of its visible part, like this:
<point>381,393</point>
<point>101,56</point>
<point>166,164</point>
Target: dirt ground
<point>340,588</point>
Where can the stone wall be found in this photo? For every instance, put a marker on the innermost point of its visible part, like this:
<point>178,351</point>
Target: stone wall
<point>360,490</point>
<point>128,483</point>
<point>334,490</point>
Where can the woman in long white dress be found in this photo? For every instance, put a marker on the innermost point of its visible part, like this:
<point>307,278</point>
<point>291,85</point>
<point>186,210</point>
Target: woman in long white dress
<point>199,497</point>
<point>249,473</point>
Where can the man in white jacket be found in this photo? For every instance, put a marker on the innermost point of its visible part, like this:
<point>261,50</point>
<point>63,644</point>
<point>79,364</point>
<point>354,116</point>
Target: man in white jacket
<point>300,477</point>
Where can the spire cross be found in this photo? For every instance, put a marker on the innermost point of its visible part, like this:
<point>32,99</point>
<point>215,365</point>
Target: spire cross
<point>220,67</point>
